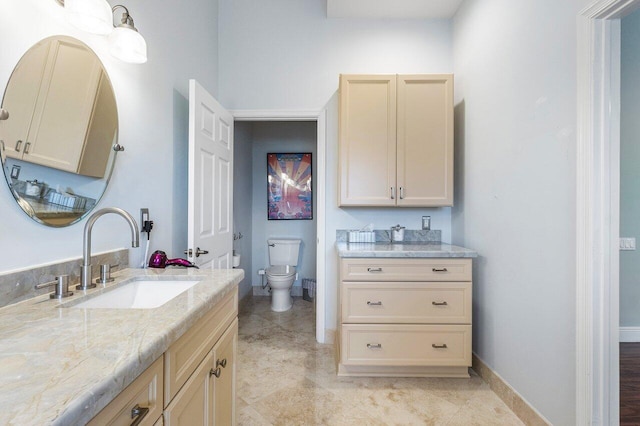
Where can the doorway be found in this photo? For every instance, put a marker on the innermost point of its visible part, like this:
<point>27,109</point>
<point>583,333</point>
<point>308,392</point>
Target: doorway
<point>598,212</point>
<point>317,247</point>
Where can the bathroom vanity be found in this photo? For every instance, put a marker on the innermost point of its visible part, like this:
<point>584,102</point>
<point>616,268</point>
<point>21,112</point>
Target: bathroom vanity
<point>61,364</point>
<point>405,310</point>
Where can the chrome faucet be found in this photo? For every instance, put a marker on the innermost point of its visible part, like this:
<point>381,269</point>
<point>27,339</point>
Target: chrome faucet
<point>85,269</point>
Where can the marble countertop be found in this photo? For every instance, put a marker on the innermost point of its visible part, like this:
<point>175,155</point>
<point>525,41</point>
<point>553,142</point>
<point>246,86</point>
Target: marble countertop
<point>412,249</point>
<point>61,365</point>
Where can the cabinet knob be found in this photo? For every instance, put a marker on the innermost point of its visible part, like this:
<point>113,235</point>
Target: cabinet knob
<point>138,413</point>
<point>215,372</point>
<point>221,363</point>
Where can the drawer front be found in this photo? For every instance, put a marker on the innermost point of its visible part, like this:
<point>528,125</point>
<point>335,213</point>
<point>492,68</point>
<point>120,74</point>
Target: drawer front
<point>406,345</point>
<point>406,302</point>
<point>144,392</point>
<point>184,355</point>
<point>435,269</point>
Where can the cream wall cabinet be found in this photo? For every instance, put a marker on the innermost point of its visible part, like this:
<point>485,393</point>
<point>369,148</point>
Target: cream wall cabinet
<point>197,372</point>
<point>76,138</point>
<point>405,317</point>
<point>396,140</point>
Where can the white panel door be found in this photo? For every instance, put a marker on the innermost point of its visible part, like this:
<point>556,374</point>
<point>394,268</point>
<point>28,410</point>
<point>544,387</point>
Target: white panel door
<point>210,236</point>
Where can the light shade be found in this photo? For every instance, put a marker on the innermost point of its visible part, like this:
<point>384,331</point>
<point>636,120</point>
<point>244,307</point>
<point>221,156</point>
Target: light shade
<point>93,16</point>
<point>128,45</point>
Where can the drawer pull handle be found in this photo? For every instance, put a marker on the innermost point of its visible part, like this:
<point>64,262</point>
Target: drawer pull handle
<point>439,303</point>
<point>138,413</point>
<point>374,269</point>
<point>215,372</point>
<point>221,363</point>
<point>374,345</point>
<point>439,270</point>
<point>442,346</point>
<point>18,144</point>
<point>374,303</point>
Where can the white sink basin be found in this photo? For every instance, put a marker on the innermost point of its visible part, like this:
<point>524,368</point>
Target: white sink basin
<point>139,294</point>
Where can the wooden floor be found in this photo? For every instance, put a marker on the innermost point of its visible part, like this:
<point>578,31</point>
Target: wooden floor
<point>629,384</point>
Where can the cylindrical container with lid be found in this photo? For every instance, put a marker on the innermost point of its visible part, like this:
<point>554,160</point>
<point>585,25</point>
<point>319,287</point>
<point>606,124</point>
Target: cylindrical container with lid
<point>397,234</point>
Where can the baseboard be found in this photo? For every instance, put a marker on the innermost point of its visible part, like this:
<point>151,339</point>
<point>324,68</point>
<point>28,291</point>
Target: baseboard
<point>516,403</point>
<point>629,334</point>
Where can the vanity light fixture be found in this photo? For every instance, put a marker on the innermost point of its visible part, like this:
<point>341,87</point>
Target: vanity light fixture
<point>125,42</point>
<point>96,17</point>
<point>92,16</point>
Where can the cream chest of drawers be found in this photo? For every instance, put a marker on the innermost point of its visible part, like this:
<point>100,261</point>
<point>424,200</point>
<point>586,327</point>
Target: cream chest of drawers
<point>405,317</point>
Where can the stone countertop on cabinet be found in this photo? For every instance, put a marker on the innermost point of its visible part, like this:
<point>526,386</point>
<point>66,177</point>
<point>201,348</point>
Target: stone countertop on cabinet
<point>62,365</point>
<point>406,250</point>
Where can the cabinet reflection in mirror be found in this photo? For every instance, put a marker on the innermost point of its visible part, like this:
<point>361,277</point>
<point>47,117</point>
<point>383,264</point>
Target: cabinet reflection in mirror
<point>57,143</point>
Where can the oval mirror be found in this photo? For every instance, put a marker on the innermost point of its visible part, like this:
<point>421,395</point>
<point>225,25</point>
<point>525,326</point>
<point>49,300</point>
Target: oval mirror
<point>58,130</point>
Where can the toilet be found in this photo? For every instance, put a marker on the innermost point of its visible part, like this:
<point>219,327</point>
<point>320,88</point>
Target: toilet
<point>283,259</point>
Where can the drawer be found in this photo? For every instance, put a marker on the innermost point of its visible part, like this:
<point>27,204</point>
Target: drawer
<point>184,355</point>
<point>144,392</point>
<point>406,302</point>
<point>432,269</point>
<point>406,345</point>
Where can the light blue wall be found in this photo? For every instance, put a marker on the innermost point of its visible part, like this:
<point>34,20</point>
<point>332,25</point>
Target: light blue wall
<point>630,169</point>
<point>243,201</point>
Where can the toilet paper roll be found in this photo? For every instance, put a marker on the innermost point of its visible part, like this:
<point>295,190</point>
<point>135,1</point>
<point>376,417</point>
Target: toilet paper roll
<point>236,260</point>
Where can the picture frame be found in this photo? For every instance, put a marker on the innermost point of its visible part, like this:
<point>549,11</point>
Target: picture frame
<point>289,186</point>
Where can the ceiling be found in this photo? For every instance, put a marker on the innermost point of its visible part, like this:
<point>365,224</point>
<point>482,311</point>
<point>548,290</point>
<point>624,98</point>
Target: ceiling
<point>398,9</point>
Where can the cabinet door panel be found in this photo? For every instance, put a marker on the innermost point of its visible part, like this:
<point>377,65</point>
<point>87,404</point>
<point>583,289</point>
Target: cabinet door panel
<point>425,140</point>
<point>193,405</point>
<point>224,401</point>
<point>367,140</point>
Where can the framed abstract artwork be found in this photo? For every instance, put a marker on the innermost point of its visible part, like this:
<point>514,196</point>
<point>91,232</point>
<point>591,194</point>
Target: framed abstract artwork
<point>289,193</point>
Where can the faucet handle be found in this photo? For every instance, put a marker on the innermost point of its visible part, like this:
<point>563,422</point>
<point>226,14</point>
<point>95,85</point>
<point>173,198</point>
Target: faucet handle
<point>62,287</point>
<point>105,274</point>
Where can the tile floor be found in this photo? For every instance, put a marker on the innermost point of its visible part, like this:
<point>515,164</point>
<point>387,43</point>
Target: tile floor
<point>286,378</point>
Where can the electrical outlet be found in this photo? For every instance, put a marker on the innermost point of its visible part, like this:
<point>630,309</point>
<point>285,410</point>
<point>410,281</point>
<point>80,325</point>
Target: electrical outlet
<point>261,271</point>
<point>144,217</point>
<point>628,243</point>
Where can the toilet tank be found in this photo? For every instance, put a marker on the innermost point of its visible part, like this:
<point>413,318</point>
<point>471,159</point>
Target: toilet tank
<point>283,251</point>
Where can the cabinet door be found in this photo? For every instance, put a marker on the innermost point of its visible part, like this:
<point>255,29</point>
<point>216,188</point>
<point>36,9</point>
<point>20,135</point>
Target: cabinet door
<point>193,404</point>
<point>56,136</point>
<point>225,385</point>
<point>20,99</point>
<point>367,152</point>
<point>425,140</point>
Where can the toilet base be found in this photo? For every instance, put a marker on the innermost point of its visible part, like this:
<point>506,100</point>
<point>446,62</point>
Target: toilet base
<point>281,300</point>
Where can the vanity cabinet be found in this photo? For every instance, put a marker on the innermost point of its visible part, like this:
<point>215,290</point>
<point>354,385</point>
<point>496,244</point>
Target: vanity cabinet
<point>76,138</point>
<point>405,317</point>
<point>194,380</point>
<point>396,140</point>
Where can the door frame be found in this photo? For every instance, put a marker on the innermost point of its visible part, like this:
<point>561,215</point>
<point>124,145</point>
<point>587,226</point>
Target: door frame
<point>320,117</point>
<point>598,212</point>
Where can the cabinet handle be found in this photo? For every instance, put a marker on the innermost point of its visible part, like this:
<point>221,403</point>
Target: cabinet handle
<point>215,372</point>
<point>374,303</point>
<point>393,193</point>
<point>18,144</point>
<point>442,346</point>
<point>374,269</point>
<point>26,147</point>
<point>138,413</point>
<point>439,269</point>
<point>374,345</point>
<point>221,363</point>
<point>439,303</point>
<point>401,193</point>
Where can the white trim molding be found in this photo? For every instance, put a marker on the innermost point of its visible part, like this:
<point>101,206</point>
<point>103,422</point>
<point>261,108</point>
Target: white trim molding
<point>629,334</point>
<point>320,117</point>
<point>597,212</point>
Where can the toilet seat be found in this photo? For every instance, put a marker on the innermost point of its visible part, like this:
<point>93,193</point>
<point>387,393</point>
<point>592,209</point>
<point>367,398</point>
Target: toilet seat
<point>281,271</point>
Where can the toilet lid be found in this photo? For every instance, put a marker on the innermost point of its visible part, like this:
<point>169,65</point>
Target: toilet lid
<point>281,270</point>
